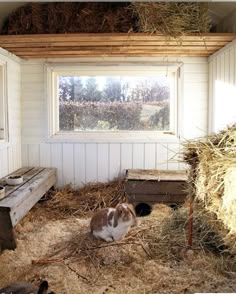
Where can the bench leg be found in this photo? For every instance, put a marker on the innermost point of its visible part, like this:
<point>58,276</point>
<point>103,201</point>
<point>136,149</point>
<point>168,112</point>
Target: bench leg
<point>7,238</point>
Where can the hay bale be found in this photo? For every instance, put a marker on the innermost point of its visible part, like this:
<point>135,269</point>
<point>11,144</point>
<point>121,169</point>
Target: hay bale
<point>70,17</point>
<point>213,170</point>
<point>228,208</point>
<point>27,19</point>
<point>172,18</point>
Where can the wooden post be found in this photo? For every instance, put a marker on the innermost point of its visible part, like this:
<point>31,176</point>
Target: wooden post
<point>7,237</point>
<point>190,223</point>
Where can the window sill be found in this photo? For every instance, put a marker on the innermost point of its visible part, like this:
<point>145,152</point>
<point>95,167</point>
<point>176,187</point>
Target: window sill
<point>111,137</point>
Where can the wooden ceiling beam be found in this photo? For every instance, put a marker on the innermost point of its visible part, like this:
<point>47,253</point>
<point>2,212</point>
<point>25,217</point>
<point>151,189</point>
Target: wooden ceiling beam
<point>135,44</point>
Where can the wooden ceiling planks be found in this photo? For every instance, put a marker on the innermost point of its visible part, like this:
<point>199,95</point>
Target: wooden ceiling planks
<point>108,44</point>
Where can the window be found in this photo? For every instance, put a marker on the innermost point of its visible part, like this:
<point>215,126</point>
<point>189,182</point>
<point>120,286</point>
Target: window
<point>3,103</point>
<point>113,99</point>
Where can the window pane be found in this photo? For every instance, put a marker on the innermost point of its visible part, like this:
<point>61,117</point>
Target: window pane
<point>101,103</point>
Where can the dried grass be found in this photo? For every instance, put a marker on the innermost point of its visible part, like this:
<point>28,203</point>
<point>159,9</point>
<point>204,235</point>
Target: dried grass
<point>213,168</point>
<point>172,18</point>
<point>153,258</point>
<point>69,17</point>
<point>67,202</point>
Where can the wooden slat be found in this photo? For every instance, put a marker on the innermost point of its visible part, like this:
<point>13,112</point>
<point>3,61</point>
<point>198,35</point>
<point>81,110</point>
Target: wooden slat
<point>154,187</point>
<point>100,45</point>
<point>37,187</point>
<point>113,36</point>
<point>14,207</point>
<point>154,198</point>
<point>156,175</point>
<point>27,174</point>
<point>147,54</point>
<point>17,196</point>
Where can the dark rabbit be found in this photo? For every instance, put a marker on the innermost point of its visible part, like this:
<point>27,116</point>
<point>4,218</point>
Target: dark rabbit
<point>26,288</point>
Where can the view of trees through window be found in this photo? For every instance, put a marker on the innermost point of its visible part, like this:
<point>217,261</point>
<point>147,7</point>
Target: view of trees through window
<point>99,103</point>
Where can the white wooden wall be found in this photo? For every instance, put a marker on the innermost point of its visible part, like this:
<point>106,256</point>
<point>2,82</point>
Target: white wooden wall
<point>79,163</point>
<point>222,88</point>
<point>10,152</point>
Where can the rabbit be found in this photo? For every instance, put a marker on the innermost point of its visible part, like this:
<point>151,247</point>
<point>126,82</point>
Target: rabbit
<point>26,288</point>
<point>112,224</point>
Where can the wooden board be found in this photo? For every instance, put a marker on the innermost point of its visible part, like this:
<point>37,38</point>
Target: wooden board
<point>156,175</point>
<point>155,187</point>
<point>118,44</point>
<point>160,198</point>
<point>21,198</point>
<point>26,172</point>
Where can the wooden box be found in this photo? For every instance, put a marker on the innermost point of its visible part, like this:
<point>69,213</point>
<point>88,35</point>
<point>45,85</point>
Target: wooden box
<point>156,186</point>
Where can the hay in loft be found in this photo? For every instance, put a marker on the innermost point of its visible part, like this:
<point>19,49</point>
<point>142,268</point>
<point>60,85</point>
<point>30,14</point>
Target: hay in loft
<point>212,177</point>
<point>27,19</point>
<point>70,17</point>
<point>172,18</point>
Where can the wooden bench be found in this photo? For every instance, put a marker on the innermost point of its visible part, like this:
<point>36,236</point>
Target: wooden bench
<point>20,199</point>
<point>156,186</point>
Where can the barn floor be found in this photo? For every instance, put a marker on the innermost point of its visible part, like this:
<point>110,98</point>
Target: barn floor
<point>63,252</point>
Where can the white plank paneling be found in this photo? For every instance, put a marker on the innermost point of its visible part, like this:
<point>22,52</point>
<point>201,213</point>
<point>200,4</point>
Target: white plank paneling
<point>34,155</point>
<point>103,163</point>
<point>222,89</point>
<point>68,164</point>
<point>161,156</point>
<point>45,155</point>
<point>126,157</point>
<point>80,164</point>
<point>4,166</point>
<point>56,161</point>
<point>138,156</point>
<point>114,161</point>
<point>150,156</point>
<point>91,163</point>
<point>227,66</point>
<point>173,158</point>
<point>25,155</point>
<point>231,65</point>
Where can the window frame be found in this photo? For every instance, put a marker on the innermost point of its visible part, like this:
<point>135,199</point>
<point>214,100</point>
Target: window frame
<point>4,130</point>
<point>54,70</point>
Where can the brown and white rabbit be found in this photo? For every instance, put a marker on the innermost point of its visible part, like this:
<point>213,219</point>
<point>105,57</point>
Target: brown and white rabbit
<point>25,288</point>
<point>111,224</point>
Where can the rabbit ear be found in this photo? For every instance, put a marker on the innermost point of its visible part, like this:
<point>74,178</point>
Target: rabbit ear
<point>120,209</point>
<point>117,214</point>
<point>43,288</point>
<point>132,210</point>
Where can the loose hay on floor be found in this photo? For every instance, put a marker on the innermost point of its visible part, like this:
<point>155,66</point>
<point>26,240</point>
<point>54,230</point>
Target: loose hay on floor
<point>153,258</point>
<point>67,202</point>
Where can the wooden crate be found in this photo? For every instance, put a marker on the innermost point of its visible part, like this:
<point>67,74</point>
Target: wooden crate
<point>156,186</point>
<point>21,198</point>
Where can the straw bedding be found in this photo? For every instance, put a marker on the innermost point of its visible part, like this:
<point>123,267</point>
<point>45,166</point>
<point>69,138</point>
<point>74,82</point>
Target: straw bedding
<point>212,178</point>
<point>153,257</point>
